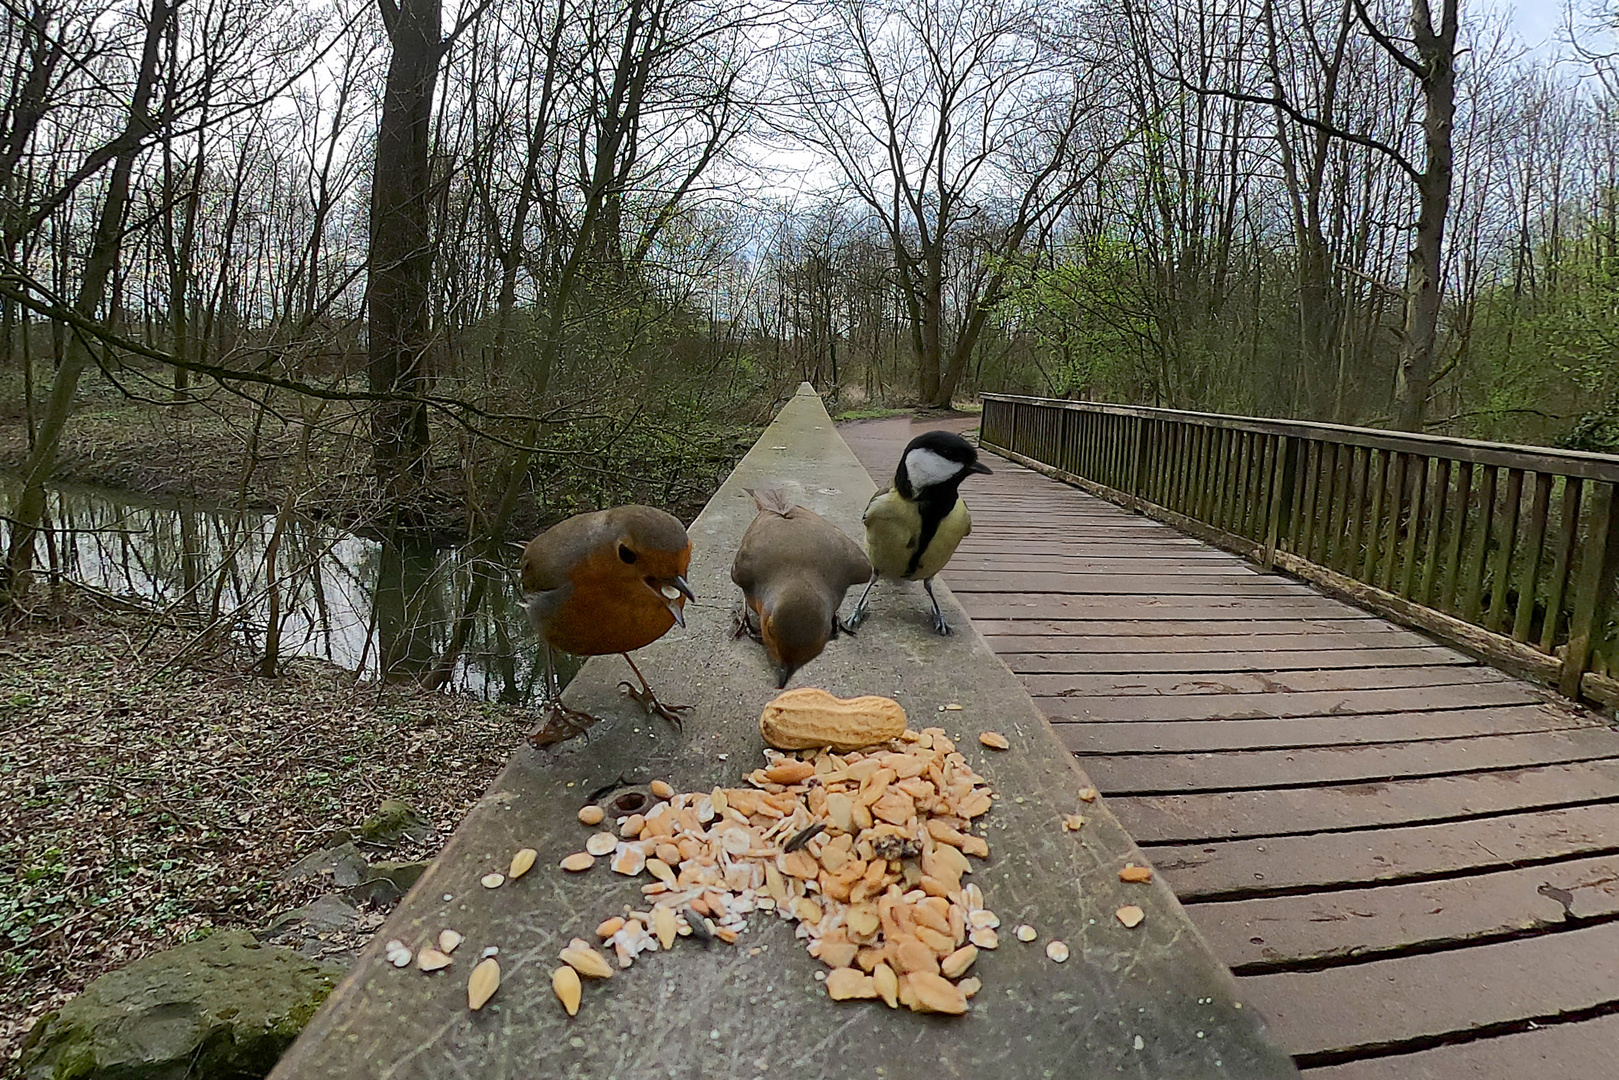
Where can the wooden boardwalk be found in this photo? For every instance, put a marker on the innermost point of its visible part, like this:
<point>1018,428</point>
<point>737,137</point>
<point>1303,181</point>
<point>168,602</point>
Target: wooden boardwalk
<point>1409,859</point>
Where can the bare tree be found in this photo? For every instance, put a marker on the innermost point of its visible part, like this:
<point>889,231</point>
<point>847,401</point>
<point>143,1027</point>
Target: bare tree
<point>948,115</point>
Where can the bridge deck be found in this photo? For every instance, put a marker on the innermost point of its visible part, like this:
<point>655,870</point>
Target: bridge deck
<point>1409,859</point>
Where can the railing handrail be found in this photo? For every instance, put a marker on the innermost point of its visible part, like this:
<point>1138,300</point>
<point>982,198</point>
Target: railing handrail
<point>1581,463</point>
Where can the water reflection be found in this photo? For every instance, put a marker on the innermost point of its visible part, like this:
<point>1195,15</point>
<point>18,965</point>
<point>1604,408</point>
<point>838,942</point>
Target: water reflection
<point>381,609</point>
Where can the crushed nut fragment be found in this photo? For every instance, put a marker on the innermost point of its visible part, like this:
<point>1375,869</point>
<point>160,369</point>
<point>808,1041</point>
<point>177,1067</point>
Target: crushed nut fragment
<point>1135,874</point>
<point>994,740</point>
<point>1130,915</point>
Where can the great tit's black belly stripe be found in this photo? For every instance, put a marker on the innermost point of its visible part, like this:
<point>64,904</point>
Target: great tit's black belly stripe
<point>933,508</point>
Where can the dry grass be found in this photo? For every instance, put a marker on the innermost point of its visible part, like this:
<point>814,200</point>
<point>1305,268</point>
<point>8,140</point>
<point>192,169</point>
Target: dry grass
<point>141,808</point>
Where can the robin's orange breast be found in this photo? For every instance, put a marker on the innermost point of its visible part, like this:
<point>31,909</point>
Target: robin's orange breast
<point>608,612</point>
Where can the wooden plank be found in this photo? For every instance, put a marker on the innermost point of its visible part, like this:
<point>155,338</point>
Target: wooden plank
<point>1015,604</point>
<point>1243,682</point>
<point>1429,997</point>
<point>1230,770</point>
<point>1277,931</point>
<point>1375,641</point>
<point>1278,706</point>
<point>725,1013</point>
<point>1567,1051</point>
<point>1078,661</point>
<point>1288,811</point>
<point>1229,868</point>
<point>1147,585</point>
<point>1086,560</point>
<point>1195,735</point>
<point>1356,623</point>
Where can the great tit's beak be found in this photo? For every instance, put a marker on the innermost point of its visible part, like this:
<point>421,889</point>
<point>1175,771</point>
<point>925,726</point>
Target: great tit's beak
<point>783,673</point>
<point>980,467</point>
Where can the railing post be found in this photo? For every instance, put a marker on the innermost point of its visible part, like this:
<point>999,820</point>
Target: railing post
<point>1594,596</point>
<point>1280,496</point>
<point>1140,443</point>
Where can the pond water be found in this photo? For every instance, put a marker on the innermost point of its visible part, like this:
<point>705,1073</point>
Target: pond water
<point>379,609</point>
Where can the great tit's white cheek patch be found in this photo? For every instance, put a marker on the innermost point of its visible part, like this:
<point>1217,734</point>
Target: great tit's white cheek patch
<point>926,467</point>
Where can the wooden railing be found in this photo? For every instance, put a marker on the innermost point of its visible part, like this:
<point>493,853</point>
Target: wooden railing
<point>1511,552</point>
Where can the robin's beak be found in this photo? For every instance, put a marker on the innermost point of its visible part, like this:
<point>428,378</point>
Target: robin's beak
<point>783,673</point>
<point>980,467</point>
<point>675,594</point>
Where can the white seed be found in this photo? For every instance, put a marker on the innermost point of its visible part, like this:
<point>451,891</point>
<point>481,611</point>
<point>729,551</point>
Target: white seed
<point>397,953</point>
<point>983,919</point>
<point>1025,932</point>
<point>493,880</point>
<point>1056,951</point>
<point>985,938</point>
<point>448,940</point>
<point>601,843</point>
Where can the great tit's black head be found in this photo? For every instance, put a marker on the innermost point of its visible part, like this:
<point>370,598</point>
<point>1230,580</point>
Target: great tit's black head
<point>935,459</point>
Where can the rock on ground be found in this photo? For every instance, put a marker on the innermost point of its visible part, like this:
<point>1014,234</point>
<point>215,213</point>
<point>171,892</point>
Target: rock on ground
<point>223,1008</point>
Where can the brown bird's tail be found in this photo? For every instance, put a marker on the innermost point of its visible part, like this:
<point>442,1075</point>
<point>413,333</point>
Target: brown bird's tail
<point>772,499</point>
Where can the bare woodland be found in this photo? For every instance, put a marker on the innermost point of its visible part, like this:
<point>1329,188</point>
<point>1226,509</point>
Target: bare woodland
<point>454,269</point>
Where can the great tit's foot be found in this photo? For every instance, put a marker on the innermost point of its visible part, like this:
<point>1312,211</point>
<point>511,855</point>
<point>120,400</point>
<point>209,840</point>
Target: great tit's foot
<point>560,723</point>
<point>649,701</point>
<point>846,626</point>
<point>941,627</point>
<point>856,617</point>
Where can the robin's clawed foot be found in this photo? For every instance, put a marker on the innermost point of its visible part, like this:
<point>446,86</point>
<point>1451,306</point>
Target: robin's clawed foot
<point>560,723</point>
<point>649,701</point>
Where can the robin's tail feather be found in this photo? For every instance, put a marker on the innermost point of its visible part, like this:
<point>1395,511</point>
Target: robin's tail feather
<point>772,499</point>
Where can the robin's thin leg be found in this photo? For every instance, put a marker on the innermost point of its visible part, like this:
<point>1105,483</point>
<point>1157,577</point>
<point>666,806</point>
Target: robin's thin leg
<point>858,615</point>
<point>649,701</point>
<point>939,624</point>
<point>560,722</point>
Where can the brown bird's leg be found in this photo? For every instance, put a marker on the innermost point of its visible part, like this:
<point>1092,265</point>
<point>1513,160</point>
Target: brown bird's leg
<point>649,701</point>
<point>560,722</point>
<point>741,624</point>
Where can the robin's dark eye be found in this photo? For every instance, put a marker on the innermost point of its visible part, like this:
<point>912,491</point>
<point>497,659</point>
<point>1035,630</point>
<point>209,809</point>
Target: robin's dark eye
<point>625,553</point>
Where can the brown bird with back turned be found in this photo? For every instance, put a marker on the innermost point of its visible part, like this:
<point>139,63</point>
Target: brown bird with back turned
<point>607,582</point>
<point>793,567</point>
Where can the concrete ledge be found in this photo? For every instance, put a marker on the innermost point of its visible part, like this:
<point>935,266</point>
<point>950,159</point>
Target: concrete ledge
<point>1150,1002</point>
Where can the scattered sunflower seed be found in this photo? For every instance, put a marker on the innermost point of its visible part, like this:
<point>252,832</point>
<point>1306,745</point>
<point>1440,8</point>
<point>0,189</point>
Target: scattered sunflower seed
<point>579,860</point>
<point>522,862</point>
<point>565,985</point>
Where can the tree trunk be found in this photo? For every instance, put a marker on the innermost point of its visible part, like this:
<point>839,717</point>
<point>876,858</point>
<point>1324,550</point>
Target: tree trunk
<point>1418,344</point>
<point>29,514</point>
<point>401,257</point>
